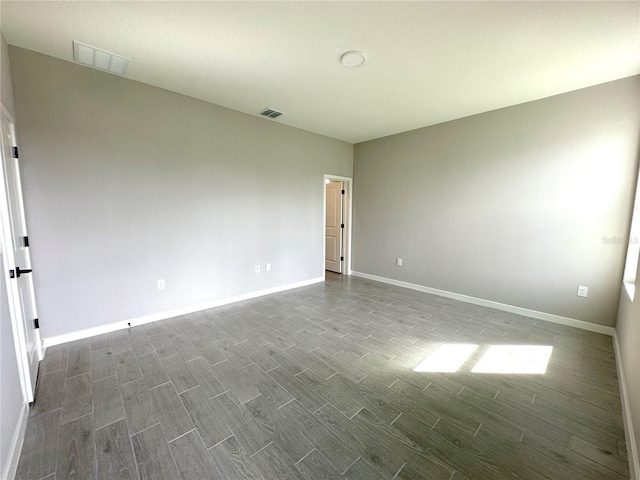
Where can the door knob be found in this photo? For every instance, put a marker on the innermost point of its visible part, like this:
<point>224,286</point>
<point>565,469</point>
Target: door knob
<point>20,272</point>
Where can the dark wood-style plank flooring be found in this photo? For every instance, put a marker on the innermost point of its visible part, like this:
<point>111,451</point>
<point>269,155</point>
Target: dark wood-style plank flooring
<point>318,383</point>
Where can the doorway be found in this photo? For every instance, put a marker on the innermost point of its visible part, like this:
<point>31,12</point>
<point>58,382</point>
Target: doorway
<point>337,224</point>
<point>16,262</point>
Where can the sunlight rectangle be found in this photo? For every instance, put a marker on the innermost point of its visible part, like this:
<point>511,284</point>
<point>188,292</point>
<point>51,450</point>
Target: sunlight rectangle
<point>518,359</point>
<point>449,357</point>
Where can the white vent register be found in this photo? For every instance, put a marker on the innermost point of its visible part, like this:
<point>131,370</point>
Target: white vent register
<point>270,113</point>
<point>99,59</point>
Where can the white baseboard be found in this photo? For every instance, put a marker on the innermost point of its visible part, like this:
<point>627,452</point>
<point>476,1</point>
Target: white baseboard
<point>629,432</point>
<point>9,470</point>
<point>154,317</point>
<point>570,322</point>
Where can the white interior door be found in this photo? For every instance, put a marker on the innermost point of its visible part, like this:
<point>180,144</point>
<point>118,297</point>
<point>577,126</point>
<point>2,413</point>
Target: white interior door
<point>334,226</point>
<point>17,261</point>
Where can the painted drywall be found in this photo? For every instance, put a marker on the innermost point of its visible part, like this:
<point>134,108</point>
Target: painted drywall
<point>126,184</point>
<point>518,206</point>
<point>628,333</point>
<point>11,398</point>
<point>6,85</point>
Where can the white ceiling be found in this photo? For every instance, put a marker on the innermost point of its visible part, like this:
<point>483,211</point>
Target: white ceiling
<point>427,62</point>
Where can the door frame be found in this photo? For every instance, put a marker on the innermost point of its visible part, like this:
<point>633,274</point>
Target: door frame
<point>348,216</point>
<point>13,294</point>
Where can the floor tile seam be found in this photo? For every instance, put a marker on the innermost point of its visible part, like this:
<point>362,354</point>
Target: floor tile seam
<point>43,413</point>
<point>564,450</point>
<point>559,426</point>
<point>88,372</point>
<point>248,365</point>
<point>398,472</point>
<point>397,417</point>
<point>221,393</point>
<point>605,412</point>
<point>221,441</point>
<point>187,390</point>
<point>105,378</point>
<point>484,413</point>
<point>199,357</point>
<point>181,435</point>
<point>46,372</point>
<point>327,459</point>
<point>156,386</point>
<point>574,452</point>
<point>138,356</point>
<point>544,451</point>
<point>346,469</point>
<point>173,459</point>
<point>258,451</point>
<point>95,429</point>
<point>252,398</point>
<point>74,419</point>
<point>145,429</point>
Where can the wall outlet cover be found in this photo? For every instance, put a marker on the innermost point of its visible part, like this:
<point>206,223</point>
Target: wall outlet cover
<point>583,291</point>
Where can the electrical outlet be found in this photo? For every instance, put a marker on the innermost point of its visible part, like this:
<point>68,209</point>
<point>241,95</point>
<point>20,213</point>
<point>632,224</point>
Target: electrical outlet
<point>257,268</point>
<point>268,267</point>
<point>399,262</point>
<point>583,291</point>
<point>161,284</point>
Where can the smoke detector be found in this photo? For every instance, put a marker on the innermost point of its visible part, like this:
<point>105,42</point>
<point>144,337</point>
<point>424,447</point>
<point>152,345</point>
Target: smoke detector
<point>353,58</point>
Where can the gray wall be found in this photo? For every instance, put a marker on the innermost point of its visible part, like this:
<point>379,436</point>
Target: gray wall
<point>510,205</point>
<point>6,86</point>
<point>11,399</point>
<point>125,184</point>
<point>628,332</point>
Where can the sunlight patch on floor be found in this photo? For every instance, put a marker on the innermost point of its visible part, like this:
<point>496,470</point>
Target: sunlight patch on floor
<point>449,357</point>
<point>521,359</point>
<point>512,359</point>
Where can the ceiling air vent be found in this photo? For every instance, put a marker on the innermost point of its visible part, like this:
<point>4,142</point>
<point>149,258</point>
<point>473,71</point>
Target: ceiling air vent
<point>99,59</point>
<point>270,112</point>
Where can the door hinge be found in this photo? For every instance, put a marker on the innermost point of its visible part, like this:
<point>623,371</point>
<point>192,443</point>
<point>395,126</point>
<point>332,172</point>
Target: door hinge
<point>342,225</point>
<point>14,152</point>
<point>12,274</point>
<point>342,259</point>
<point>25,241</point>
<point>36,323</point>
<point>343,192</point>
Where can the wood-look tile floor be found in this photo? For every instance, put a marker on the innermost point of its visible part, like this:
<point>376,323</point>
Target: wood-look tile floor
<point>318,383</point>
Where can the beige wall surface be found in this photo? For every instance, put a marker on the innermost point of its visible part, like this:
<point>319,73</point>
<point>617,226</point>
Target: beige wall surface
<point>518,206</point>
<point>11,398</point>
<point>126,184</point>
<point>6,84</point>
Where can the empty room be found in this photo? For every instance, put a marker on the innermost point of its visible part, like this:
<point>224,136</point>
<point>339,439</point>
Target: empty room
<point>320,240</point>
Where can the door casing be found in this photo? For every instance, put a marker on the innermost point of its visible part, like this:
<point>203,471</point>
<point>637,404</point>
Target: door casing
<point>26,337</point>
<point>347,219</point>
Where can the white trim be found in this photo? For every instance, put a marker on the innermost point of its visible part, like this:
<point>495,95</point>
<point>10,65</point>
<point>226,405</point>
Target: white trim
<point>154,317</point>
<point>549,317</point>
<point>348,221</point>
<point>13,456</point>
<point>632,448</point>
<point>630,288</point>
<point>13,295</point>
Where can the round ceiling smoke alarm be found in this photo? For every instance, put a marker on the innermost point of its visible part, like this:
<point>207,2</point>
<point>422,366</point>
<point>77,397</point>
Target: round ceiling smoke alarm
<point>353,58</point>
